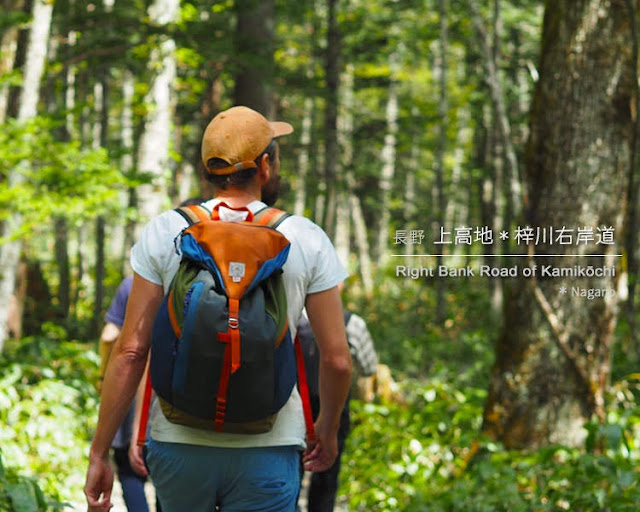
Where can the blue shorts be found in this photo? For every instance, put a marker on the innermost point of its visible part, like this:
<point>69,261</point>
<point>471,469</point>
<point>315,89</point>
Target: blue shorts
<point>191,478</point>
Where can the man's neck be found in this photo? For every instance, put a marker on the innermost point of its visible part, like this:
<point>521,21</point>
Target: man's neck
<point>236,198</point>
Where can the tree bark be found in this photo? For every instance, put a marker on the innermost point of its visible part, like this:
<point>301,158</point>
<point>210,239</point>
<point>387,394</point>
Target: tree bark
<point>440,157</point>
<point>8,49</point>
<point>553,360</point>
<point>153,150</point>
<point>303,158</point>
<point>101,134</point>
<point>34,66</point>
<point>633,184</point>
<point>332,77</point>
<point>254,46</point>
<point>388,158</point>
<point>124,233</point>
<point>498,101</point>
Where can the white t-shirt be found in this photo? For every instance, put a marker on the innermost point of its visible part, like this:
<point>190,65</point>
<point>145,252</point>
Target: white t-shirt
<point>312,266</point>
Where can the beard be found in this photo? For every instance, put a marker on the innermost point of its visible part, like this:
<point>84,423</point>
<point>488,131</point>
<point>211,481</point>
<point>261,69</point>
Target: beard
<point>271,190</point>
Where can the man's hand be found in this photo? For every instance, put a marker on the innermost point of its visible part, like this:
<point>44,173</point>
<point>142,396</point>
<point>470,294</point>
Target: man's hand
<point>136,460</point>
<point>99,485</point>
<point>321,455</point>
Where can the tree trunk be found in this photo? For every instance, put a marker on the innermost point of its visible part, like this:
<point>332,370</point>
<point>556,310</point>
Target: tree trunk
<point>123,233</point>
<point>388,158</point>
<point>100,136</point>
<point>33,68</point>
<point>303,157</point>
<point>498,101</point>
<point>153,150</point>
<point>553,360</point>
<point>8,49</point>
<point>633,184</point>
<point>361,240</point>
<point>332,77</point>
<point>254,44</point>
<point>345,141</point>
<point>64,270</point>
<point>440,157</point>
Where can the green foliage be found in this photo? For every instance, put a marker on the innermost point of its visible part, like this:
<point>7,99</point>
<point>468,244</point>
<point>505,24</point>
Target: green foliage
<point>48,409</point>
<point>426,452</point>
<point>45,178</point>
<point>434,459</point>
<point>401,319</point>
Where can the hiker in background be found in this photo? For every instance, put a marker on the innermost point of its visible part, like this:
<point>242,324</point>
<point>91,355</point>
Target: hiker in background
<point>131,482</point>
<point>196,469</point>
<point>323,485</point>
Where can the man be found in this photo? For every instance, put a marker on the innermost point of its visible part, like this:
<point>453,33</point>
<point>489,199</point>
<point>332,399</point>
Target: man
<point>195,470</point>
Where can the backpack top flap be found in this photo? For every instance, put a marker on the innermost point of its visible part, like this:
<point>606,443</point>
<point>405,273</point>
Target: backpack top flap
<point>249,254</point>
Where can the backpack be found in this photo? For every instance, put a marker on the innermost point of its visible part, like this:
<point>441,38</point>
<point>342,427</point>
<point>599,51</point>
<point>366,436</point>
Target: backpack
<point>221,352</point>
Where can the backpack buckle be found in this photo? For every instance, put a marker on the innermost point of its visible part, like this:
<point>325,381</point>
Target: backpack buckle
<point>233,322</point>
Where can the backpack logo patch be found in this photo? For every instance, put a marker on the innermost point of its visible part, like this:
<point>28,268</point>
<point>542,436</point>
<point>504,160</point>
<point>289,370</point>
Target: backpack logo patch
<point>236,271</point>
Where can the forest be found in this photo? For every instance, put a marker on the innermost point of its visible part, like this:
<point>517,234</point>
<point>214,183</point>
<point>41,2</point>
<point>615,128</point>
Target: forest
<point>474,163</point>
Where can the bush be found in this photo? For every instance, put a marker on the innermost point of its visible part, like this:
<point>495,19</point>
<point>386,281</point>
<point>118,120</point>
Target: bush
<point>48,410</point>
<point>21,494</point>
<point>433,458</point>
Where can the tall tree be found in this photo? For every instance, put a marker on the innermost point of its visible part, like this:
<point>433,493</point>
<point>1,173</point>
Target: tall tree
<point>254,62</point>
<point>388,158</point>
<point>441,152</point>
<point>30,91</point>
<point>153,149</point>
<point>332,77</point>
<point>553,356</point>
<point>8,48</point>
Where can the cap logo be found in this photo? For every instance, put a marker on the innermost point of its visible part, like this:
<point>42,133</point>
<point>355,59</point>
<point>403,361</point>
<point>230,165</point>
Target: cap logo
<point>236,271</point>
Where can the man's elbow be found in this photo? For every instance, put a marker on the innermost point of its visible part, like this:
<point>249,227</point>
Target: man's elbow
<point>132,355</point>
<point>339,364</point>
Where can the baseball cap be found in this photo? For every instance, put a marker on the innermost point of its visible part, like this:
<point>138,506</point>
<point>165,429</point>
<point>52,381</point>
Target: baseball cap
<point>238,136</point>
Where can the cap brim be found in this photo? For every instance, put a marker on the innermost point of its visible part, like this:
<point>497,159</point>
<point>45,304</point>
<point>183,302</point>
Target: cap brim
<point>280,128</point>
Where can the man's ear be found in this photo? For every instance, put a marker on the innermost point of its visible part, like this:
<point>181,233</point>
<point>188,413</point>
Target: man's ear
<point>264,169</point>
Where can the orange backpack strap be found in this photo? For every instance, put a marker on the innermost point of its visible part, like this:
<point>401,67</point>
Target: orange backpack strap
<point>194,213</point>
<point>304,391</point>
<point>144,417</point>
<point>271,217</point>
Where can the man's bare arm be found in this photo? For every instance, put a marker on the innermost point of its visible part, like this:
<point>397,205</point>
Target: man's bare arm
<point>123,374</point>
<point>327,321</point>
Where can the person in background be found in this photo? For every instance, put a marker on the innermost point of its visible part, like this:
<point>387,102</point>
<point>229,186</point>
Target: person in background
<point>131,482</point>
<point>324,484</point>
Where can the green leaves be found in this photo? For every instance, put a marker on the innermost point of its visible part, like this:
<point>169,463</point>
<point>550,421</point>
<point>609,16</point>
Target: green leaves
<point>47,178</point>
<point>21,494</point>
<point>48,409</point>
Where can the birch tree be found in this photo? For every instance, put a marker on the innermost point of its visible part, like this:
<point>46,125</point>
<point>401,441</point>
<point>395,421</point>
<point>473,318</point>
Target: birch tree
<point>32,74</point>
<point>154,145</point>
<point>388,157</point>
<point>443,111</point>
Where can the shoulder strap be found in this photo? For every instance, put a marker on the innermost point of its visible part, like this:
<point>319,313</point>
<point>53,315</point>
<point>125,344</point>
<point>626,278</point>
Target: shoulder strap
<point>304,392</point>
<point>194,213</point>
<point>271,217</point>
<point>146,404</point>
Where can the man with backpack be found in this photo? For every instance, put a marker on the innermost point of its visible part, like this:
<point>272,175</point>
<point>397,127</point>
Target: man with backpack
<point>196,468</point>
